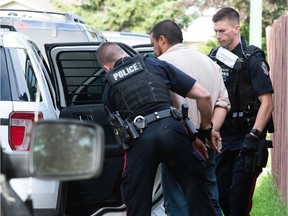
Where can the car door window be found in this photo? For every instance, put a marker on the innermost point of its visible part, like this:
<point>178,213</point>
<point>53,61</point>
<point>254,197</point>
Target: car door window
<point>5,92</point>
<point>25,82</point>
<point>83,76</point>
<point>45,70</point>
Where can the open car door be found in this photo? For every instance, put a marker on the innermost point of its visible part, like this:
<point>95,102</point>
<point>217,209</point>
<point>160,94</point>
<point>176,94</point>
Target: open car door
<point>79,83</point>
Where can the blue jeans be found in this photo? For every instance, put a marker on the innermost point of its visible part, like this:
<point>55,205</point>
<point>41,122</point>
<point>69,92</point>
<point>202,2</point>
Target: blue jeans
<point>174,201</point>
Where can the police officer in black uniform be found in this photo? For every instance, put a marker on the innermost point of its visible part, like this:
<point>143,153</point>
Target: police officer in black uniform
<point>244,151</point>
<point>138,89</point>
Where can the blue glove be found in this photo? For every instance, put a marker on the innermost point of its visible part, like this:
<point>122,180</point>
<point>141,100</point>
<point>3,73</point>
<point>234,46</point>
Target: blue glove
<point>250,145</point>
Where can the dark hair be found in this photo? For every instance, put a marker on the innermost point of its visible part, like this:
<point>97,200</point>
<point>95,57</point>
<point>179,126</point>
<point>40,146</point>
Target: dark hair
<point>169,29</point>
<point>226,13</point>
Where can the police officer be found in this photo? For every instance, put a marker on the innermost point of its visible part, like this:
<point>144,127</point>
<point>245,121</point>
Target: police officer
<point>244,151</point>
<point>138,88</point>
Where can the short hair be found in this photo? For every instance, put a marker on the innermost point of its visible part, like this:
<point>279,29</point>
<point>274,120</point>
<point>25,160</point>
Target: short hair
<point>170,30</point>
<point>226,13</point>
<point>109,52</point>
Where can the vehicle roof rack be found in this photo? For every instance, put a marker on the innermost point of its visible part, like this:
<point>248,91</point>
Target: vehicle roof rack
<point>68,16</point>
<point>8,22</point>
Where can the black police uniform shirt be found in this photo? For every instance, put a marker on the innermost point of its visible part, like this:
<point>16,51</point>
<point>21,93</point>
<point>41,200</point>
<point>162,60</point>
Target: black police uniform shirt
<point>258,73</point>
<point>175,80</point>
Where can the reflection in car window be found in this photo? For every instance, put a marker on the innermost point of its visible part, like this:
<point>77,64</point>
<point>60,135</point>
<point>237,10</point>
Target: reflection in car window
<point>26,82</point>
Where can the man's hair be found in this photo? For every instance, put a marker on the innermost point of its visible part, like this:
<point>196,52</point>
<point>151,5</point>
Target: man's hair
<point>169,29</point>
<point>226,13</point>
<point>108,52</point>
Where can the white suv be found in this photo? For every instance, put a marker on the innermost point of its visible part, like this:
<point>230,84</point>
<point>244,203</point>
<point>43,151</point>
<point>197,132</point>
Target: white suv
<point>51,27</point>
<point>23,72</point>
<point>23,76</point>
<point>76,92</point>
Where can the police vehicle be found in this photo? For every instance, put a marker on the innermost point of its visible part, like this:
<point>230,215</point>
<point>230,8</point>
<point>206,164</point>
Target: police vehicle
<point>47,26</point>
<point>72,89</point>
<point>24,72</point>
<point>26,95</point>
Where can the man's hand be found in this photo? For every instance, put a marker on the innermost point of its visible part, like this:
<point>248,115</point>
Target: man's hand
<point>217,139</point>
<point>250,145</point>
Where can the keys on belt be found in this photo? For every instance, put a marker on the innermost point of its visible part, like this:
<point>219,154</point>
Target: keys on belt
<point>141,122</point>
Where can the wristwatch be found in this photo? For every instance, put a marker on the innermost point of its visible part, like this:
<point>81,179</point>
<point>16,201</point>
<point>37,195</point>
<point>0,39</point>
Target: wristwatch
<point>256,132</point>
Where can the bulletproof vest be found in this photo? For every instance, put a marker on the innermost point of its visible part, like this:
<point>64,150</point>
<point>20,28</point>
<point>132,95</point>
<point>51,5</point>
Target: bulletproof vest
<point>243,99</point>
<point>138,88</point>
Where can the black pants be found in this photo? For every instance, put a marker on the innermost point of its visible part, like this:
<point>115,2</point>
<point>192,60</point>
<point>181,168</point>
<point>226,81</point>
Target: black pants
<point>166,141</point>
<point>236,186</point>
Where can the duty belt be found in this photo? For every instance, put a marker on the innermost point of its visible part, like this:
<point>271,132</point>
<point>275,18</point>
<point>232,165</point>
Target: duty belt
<point>141,122</point>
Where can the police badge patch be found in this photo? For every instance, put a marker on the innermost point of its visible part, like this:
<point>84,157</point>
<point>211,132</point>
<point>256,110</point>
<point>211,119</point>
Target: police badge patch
<point>265,69</point>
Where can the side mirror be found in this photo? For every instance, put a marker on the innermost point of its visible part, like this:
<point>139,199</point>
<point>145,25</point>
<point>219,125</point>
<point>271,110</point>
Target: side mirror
<point>66,149</point>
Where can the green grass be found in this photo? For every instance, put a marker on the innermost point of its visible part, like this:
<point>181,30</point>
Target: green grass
<point>266,198</point>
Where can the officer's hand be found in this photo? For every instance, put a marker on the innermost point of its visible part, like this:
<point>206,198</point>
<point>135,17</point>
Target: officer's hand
<point>250,145</point>
<point>204,135</point>
<point>209,138</point>
<point>201,148</point>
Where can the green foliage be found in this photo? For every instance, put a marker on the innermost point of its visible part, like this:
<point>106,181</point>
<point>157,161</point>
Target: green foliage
<point>266,198</point>
<point>139,16</point>
<point>206,47</point>
<point>272,9</point>
<point>134,15</point>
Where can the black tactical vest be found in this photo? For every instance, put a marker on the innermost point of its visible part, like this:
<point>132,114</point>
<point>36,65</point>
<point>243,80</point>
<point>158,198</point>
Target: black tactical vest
<point>138,88</point>
<point>243,99</point>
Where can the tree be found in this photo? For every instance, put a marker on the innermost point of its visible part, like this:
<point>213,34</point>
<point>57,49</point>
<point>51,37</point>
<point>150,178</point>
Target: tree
<point>139,16</point>
<point>272,9</point>
<point>134,15</point>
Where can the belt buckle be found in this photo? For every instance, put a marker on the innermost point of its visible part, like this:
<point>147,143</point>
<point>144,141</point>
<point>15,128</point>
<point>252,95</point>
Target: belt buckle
<point>139,122</point>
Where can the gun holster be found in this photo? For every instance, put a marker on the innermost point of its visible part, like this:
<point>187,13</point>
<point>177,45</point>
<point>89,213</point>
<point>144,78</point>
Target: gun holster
<point>260,158</point>
<point>124,131</point>
<point>188,123</point>
<point>121,139</point>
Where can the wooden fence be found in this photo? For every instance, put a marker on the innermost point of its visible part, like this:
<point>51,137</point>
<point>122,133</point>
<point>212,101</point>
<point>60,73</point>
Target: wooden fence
<point>277,53</point>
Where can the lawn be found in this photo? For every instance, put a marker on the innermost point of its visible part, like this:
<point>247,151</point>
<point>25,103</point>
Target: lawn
<point>266,199</point>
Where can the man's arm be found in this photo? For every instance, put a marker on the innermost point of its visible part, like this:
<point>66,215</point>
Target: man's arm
<point>204,104</point>
<point>251,142</point>
<point>264,112</point>
<point>219,115</point>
